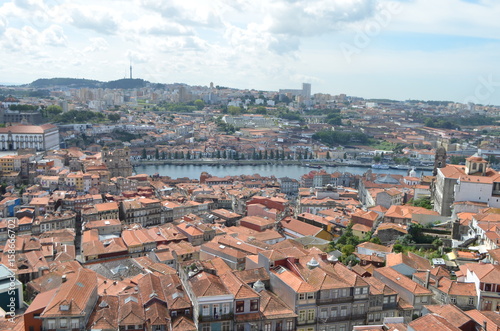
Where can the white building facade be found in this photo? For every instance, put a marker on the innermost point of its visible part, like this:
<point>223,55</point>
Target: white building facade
<point>42,138</point>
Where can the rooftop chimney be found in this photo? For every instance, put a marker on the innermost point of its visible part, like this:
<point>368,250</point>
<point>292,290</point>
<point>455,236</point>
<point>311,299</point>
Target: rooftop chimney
<point>312,264</point>
<point>259,286</point>
<point>427,278</point>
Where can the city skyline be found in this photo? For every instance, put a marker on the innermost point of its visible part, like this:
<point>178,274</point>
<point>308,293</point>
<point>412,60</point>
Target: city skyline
<point>373,49</point>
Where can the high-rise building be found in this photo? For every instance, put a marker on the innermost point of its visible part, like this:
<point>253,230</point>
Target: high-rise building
<point>306,90</point>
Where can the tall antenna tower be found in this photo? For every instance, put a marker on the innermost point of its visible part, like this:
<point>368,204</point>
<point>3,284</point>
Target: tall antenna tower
<point>130,69</point>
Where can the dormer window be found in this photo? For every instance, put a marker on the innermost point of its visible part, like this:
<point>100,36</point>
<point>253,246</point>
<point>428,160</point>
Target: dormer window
<point>254,305</point>
<point>64,307</point>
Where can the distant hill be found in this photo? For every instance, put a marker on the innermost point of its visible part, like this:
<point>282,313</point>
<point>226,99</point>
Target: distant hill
<point>69,82</point>
<point>125,83</point>
<point>79,83</point>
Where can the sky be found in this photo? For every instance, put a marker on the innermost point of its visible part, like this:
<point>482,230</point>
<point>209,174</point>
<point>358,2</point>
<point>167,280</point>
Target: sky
<point>406,49</point>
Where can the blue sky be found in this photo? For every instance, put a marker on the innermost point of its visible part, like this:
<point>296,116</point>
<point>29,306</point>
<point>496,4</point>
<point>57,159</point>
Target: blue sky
<point>414,49</point>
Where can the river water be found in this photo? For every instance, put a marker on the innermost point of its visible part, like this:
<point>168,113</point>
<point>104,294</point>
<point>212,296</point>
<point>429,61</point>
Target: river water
<point>293,171</point>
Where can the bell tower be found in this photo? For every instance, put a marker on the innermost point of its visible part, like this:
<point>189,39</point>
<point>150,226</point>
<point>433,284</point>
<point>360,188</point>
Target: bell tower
<point>439,159</point>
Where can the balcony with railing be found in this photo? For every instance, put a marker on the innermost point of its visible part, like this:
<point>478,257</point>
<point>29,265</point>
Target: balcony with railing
<point>341,318</point>
<point>306,321</point>
<point>216,317</point>
<point>326,301</point>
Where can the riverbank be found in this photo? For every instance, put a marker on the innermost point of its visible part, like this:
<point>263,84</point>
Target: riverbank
<point>193,170</point>
<point>313,164</point>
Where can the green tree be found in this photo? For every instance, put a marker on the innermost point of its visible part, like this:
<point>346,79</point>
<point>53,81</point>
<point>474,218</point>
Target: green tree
<point>340,137</point>
<point>53,111</point>
<point>188,155</point>
<point>351,260</point>
<point>144,154</point>
<point>424,202</point>
<point>200,104</point>
<point>437,243</point>
<point>334,119</point>
<point>377,158</point>
<point>260,110</point>
<point>265,154</point>
<point>224,154</point>
<point>328,155</point>
<point>271,156</point>
<point>218,153</point>
<point>233,110</point>
<point>367,236</point>
<point>157,154</point>
<point>397,248</point>
<point>114,117</point>
<point>348,250</point>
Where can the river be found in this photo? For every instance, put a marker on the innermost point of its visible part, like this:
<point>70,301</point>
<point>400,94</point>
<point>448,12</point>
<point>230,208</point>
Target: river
<point>293,171</point>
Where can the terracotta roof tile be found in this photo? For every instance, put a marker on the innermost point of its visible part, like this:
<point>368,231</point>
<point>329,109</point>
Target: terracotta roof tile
<point>76,292</point>
<point>402,280</point>
<point>451,313</point>
<point>432,322</point>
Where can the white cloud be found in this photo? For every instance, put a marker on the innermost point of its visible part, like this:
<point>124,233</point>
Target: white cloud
<point>96,45</point>
<point>138,57</point>
<point>180,44</point>
<point>256,41</point>
<point>309,18</point>
<point>3,24</point>
<point>31,42</point>
<point>29,4</point>
<point>260,43</point>
<point>156,25</point>
<point>98,19</point>
<point>188,13</point>
<point>449,17</point>
<point>53,36</point>
<point>21,40</point>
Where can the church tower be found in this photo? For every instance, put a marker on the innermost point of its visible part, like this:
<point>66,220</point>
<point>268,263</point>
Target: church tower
<point>118,162</point>
<point>439,159</point>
